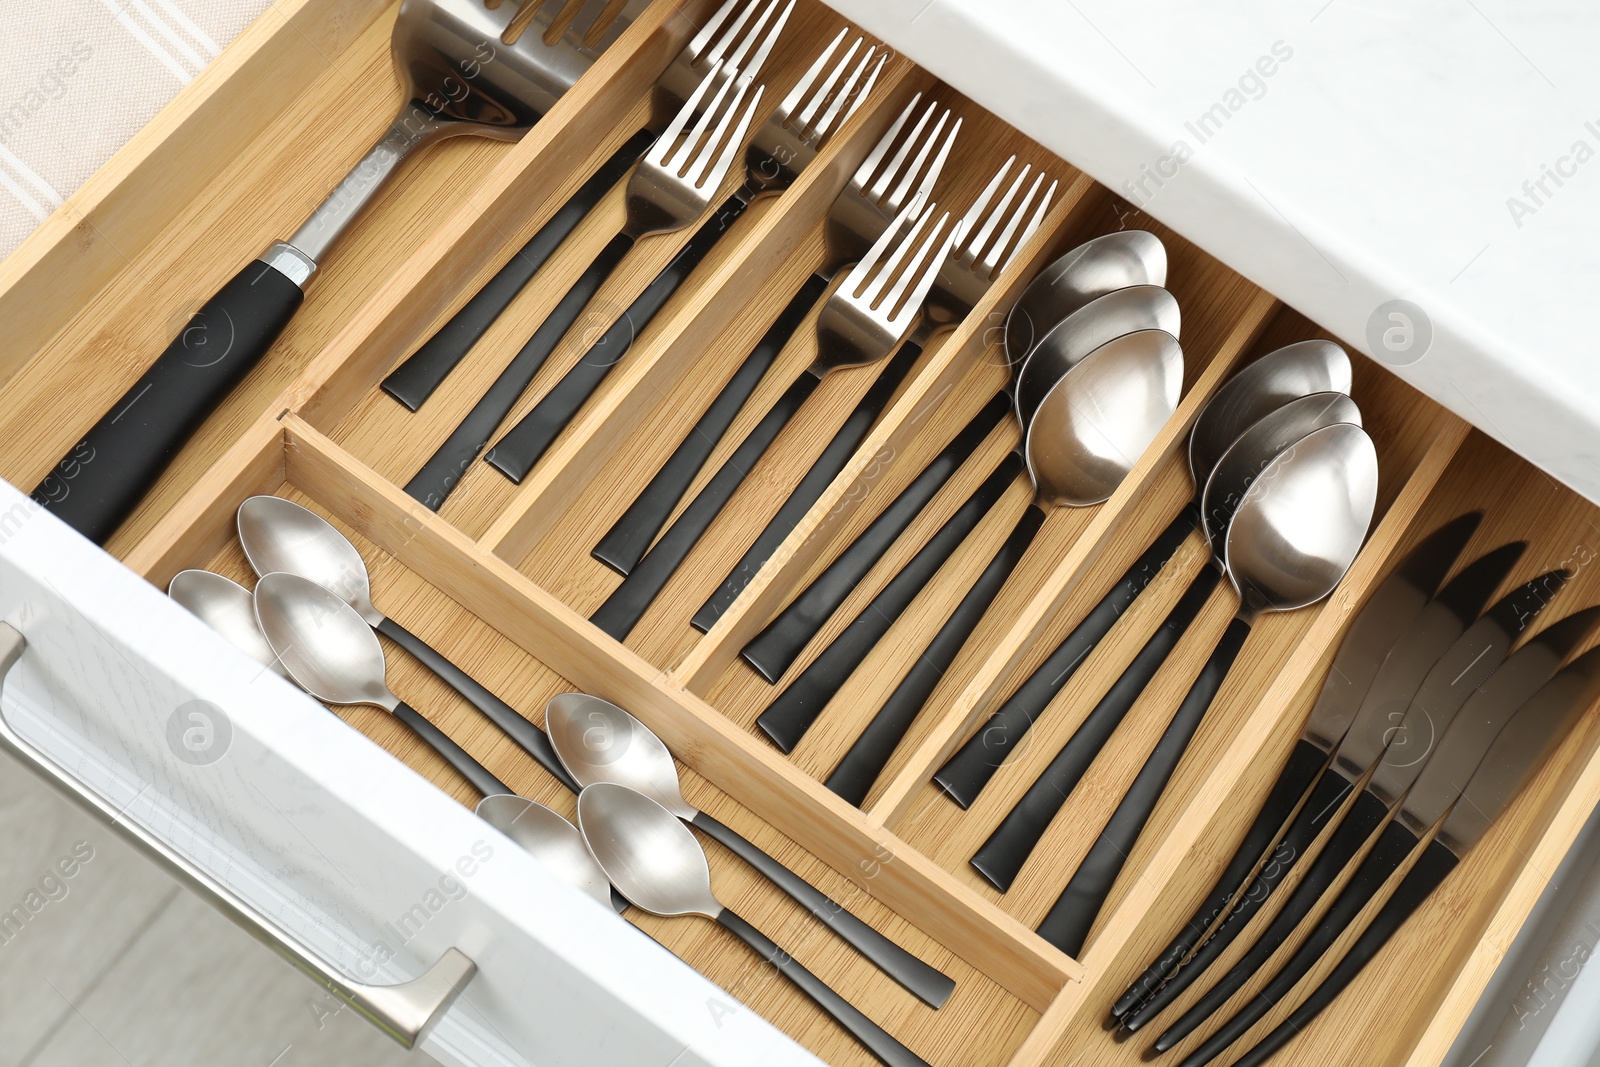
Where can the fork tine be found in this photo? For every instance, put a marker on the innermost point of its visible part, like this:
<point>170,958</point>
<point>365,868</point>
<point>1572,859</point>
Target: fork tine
<point>848,97</point>
<point>824,92</point>
<point>662,152</point>
<point>698,44</point>
<point>884,180</point>
<point>918,266</point>
<point>860,272</point>
<point>931,175</point>
<point>891,269</point>
<point>985,226</point>
<point>751,31</point>
<point>803,86</point>
<point>869,166</point>
<point>603,19</point>
<point>998,255</point>
<point>769,37</point>
<point>735,140</point>
<point>927,275</point>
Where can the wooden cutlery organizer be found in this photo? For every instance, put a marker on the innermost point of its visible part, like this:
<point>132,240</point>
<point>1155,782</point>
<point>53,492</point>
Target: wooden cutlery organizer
<point>501,579</point>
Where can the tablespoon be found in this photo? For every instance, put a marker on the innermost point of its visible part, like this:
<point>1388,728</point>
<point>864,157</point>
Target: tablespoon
<point>1265,385</point>
<point>1088,433</point>
<point>280,535</point>
<point>1098,266</point>
<point>657,864</point>
<point>600,742</point>
<point>333,654</point>
<point>1289,543</point>
<point>1122,311</point>
<point>551,839</point>
<point>228,608</point>
<point>1005,851</point>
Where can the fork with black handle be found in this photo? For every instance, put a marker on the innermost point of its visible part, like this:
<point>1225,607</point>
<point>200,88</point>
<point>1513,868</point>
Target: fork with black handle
<point>992,238</point>
<point>729,34</point>
<point>876,193</point>
<point>782,148</point>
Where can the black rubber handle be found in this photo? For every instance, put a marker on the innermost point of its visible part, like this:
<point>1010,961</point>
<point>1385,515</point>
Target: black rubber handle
<point>101,480</point>
<point>515,454</point>
<point>629,601</point>
<point>1298,776</point>
<point>1072,916</point>
<point>1365,816</point>
<point>449,463</point>
<point>964,775</point>
<point>931,986</point>
<point>852,779</point>
<point>532,739</point>
<point>630,537</point>
<point>415,380</point>
<point>453,754</point>
<point>1013,841</point>
<point>791,714</point>
<point>774,650</point>
<point>875,1038</point>
<point>1430,870</point>
<point>816,481</point>
<point>1391,850</point>
<point>1324,803</point>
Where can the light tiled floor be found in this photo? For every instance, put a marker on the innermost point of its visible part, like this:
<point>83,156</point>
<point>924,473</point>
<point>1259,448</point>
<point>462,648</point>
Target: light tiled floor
<point>107,962</point>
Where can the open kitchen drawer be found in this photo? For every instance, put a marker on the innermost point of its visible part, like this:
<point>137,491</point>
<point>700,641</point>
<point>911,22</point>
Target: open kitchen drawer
<point>319,828</point>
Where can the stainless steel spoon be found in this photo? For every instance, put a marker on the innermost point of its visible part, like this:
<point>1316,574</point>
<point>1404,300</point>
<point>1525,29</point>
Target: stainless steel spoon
<point>551,839</point>
<point>600,742</point>
<point>1008,847</point>
<point>228,608</point>
<point>333,654</point>
<point>1096,267</point>
<point>657,864</point>
<point>1263,386</point>
<point>280,535</point>
<point>1288,544</point>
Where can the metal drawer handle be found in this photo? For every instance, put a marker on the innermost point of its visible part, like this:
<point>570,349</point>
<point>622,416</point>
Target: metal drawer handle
<point>404,1012</point>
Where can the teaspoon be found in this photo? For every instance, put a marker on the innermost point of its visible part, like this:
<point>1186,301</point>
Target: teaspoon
<point>228,608</point>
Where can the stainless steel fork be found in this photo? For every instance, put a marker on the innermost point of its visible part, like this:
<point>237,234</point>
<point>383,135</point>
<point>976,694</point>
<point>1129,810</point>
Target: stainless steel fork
<point>994,231</point>
<point>877,191</point>
<point>463,69</point>
<point>786,143</point>
<point>739,36</point>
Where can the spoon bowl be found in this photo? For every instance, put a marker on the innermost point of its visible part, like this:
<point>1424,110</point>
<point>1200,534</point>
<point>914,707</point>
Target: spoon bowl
<point>551,839</point>
<point>600,742</point>
<point>1095,423</point>
<point>1302,522</point>
<point>280,535</point>
<point>1094,268</point>
<point>646,852</point>
<point>1103,319</point>
<point>321,641</point>
<point>228,608</point>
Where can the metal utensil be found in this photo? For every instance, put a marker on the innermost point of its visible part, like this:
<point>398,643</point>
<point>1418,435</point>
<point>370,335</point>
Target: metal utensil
<point>1266,384</point>
<point>734,35</point>
<point>1389,612</point>
<point>993,237</point>
<point>1098,266</point>
<point>463,70</point>
<point>1088,433</point>
<point>333,654</point>
<point>657,864</point>
<point>875,195</point>
<point>600,742</point>
<point>228,608</point>
<point>553,840</point>
<point>1003,854</point>
<point>1293,536</point>
<point>280,535</point>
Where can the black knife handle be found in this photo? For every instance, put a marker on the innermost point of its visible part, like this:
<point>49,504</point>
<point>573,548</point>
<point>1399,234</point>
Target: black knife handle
<point>449,463</point>
<point>852,779</point>
<point>453,754</point>
<point>522,446</point>
<point>415,380</point>
<point>1365,816</point>
<point>1391,850</point>
<point>964,775</point>
<point>1326,798</point>
<point>1013,841</point>
<point>929,984</point>
<point>1299,774</point>
<point>101,480</point>
<point>816,481</point>
<point>629,601</point>
<point>875,1038</point>
<point>1430,870</point>
<point>773,651</point>
<point>532,740</point>
<point>1072,916</point>
<point>630,537</point>
<point>791,713</point>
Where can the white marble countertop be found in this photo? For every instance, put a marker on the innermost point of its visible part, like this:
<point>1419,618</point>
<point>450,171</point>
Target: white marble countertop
<point>1342,154</point>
